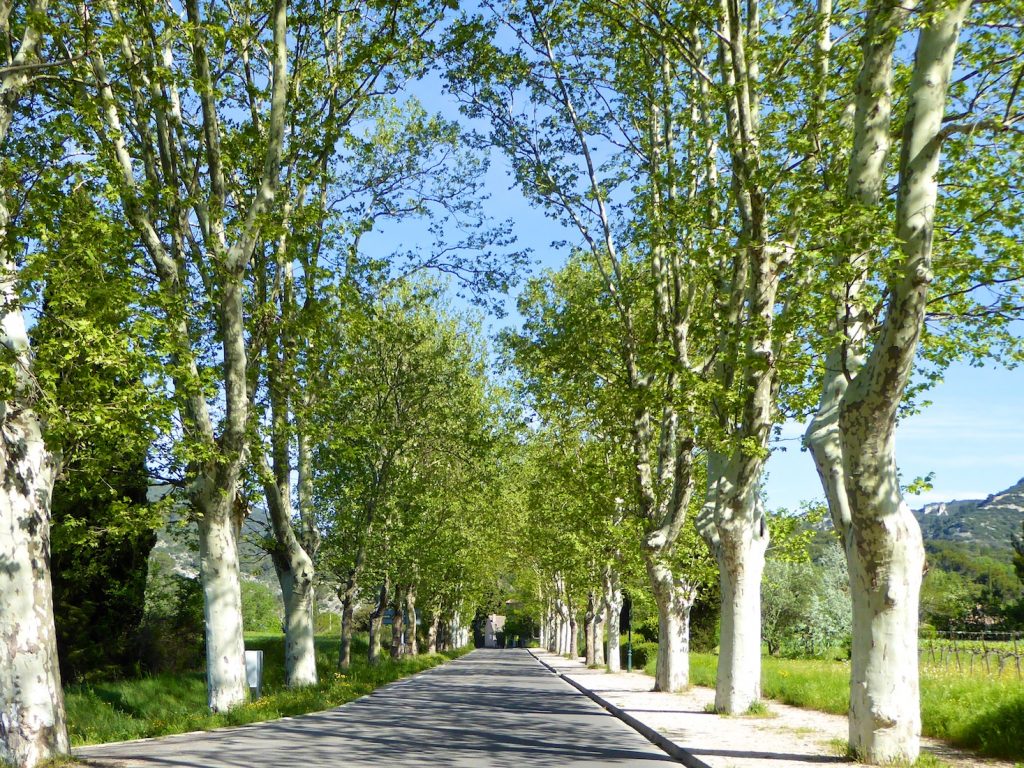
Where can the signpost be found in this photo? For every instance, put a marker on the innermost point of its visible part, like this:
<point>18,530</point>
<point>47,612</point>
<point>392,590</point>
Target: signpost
<point>254,672</point>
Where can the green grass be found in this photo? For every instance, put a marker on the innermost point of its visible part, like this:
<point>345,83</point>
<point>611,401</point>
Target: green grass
<point>979,713</point>
<point>166,704</point>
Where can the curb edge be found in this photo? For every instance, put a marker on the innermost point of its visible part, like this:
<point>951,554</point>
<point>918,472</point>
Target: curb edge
<point>664,743</point>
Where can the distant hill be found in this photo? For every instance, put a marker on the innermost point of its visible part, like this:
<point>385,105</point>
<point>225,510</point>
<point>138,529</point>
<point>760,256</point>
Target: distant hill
<point>178,540</point>
<point>986,522</point>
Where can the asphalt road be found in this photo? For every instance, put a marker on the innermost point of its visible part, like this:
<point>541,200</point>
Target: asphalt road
<point>490,708</point>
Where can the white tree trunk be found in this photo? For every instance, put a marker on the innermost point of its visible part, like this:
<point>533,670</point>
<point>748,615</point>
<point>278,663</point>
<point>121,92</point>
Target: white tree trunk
<point>32,720</point>
<point>589,616</point>
<point>613,613</point>
<point>741,564</point>
<point>435,623</point>
<point>853,434</point>
<point>885,714</point>
<point>299,629</point>
<point>733,523</point>
<point>293,566</point>
<point>222,605</point>
<point>598,627</point>
<point>376,624</point>
<point>674,599</point>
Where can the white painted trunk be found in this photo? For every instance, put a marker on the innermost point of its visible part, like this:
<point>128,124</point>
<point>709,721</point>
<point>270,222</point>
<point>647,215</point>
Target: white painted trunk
<point>412,642</point>
<point>741,564</point>
<point>32,720</point>
<point>885,714</point>
<point>376,624</point>
<point>348,601</point>
<point>599,637</point>
<point>222,605</point>
<point>299,630</point>
<point>674,599</point>
<point>613,617</point>
<point>435,623</point>
<point>589,654</point>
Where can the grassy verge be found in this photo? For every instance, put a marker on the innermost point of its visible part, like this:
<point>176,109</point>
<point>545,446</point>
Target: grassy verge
<point>166,704</point>
<point>978,713</point>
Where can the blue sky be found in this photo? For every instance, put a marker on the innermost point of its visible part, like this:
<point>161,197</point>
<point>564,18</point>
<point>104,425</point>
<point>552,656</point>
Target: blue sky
<point>971,436</point>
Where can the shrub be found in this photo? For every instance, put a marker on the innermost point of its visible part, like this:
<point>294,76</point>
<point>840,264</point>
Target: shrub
<point>172,637</point>
<point>643,652</point>
<point>262,609</point>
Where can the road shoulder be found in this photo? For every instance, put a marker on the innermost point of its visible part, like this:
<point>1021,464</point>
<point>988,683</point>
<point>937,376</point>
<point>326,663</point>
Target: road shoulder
<point>682,725</point>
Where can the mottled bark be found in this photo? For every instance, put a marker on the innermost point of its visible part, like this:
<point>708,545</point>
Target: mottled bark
<point>613,613</point>
<point>412,646</point>
<point>214,481</point>
<point>293,566</point>
<point>222,603</point>
<point>377,622</point>
<point>33,726</point>
<point>432,631</point>
<point>674,598</point>
<point>348,606</point>
<point>588,630</point>
<point>741,565</point>
<point>31,699</point>
<point>853,434</point>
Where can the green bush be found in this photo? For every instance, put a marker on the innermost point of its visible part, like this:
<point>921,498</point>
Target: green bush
<point>643,653</point>
<point>262,608</point>
<point>172,636</point>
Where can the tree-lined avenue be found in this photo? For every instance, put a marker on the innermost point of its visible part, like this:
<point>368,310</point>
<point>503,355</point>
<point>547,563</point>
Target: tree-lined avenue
<point>493,707</point>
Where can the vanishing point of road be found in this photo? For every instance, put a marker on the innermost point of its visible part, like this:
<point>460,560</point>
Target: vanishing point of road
<point>490,708</point>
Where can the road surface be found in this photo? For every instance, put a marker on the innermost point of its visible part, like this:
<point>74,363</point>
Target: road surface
<point>490,708</point>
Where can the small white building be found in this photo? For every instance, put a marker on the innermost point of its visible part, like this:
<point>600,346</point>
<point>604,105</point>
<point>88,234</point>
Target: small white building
<point>492,627</point>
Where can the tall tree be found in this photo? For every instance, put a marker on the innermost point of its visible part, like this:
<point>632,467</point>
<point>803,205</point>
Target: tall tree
<point>877,334</point>
<point>31,700</point>
<point>155,91</point>
<point>374,163</point>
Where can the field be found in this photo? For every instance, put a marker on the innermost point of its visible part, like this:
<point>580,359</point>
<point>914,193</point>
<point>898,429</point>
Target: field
<point>982,713</point>
<point>165,704</point>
